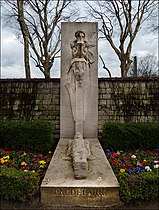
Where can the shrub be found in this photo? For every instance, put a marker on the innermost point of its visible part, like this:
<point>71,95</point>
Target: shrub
<point>138,186</point>
<point>17,184</point>
<point>130,135</point>
<point>32,135</point>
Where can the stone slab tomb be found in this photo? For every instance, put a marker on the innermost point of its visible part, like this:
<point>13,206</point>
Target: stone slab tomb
<point>79,173</point>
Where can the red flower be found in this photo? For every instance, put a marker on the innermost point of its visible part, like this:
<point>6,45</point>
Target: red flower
<point>23,167</point>
<point>123,164</point>
<point>8,152</point>
<point>48,159</point>
<point>156,154</point>
<point>121,157</point>
<point>115,162</point>
<point>10,161</point>
<point>129,165</point>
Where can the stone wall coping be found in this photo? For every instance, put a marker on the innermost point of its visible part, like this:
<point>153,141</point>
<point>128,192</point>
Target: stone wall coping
<point>100,79</point>
<point>31,80</point>
<point>128,79</point>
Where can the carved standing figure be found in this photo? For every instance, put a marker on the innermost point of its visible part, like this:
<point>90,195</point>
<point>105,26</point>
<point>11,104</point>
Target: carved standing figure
<point>78,79</point>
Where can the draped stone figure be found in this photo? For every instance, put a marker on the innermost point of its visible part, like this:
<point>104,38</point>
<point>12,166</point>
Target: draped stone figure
<point>78,79</point>
<point>79,152</point>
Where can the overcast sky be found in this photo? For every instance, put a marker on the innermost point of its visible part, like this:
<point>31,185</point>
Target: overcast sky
<point>12,64</point>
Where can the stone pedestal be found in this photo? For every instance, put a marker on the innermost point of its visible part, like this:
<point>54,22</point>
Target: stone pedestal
<point>59,188</point>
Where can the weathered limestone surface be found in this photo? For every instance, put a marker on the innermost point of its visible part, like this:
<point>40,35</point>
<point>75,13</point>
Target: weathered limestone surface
<point>79,153</point>
<point>60,188</point>
<point>79,80</point>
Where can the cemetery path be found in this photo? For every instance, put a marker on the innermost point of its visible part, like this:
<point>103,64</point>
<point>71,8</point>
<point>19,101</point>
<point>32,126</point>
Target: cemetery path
<point>36,205</point>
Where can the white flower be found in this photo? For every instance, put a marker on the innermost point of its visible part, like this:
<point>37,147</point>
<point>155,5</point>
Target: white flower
<point>133,156</point>
<point>25,170</point>
<point>156,161</point>
<point>147,168</point>
<point>156,166</point>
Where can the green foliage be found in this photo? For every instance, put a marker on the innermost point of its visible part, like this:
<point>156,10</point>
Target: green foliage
<point>30,135</point>
<point>133,135</point>
<point>138,186</point>
<point>17,184</point>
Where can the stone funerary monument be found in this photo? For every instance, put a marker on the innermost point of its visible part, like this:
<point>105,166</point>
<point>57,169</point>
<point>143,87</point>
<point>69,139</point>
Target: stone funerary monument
<point>79,173</point>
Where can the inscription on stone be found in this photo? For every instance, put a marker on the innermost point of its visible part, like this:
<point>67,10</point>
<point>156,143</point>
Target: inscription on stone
<point>77,192</point>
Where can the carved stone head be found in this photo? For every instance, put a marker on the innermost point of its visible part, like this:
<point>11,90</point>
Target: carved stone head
<point>78,135</point>
<point>80,36</point>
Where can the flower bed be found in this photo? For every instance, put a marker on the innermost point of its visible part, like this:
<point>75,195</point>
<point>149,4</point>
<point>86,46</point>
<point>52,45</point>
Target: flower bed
<point>21,173</point>
<point>134,161</point>
<point>26,161</point>
<point>137,173</point>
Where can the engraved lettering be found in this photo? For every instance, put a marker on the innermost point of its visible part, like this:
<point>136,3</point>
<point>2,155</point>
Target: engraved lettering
<point>68,192</point>
<point>78,192</point>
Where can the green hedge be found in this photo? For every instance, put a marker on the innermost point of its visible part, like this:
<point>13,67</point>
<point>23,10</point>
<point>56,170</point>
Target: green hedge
<point>130,135</point>
<point>138,186</point>
<point>17,184</point>
<point>32,135</point>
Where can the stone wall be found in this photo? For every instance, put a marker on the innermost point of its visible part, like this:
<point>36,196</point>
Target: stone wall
<point>31,100</point>
<point>125,100</point>
<point>120,100</point>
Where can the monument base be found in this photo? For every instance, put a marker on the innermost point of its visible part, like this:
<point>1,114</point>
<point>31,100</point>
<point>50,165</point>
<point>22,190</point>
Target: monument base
<point>99,189</point>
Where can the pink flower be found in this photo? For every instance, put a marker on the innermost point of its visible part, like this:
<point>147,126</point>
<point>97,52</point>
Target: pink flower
<point>33,159</point>
<point>115,154</point>
<point>40,155</point>
<point>148,151</point>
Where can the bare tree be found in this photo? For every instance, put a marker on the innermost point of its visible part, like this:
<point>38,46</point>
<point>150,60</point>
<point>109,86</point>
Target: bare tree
<point>25,33</point>
<point>104,66</point>
<point>147,66</point>
<point>40,24</point>
<point>119,23</point>
<point>153,22</point>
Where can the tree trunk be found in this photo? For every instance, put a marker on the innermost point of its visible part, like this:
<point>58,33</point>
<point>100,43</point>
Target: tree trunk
<point>25,34</point>
<point>124,68</point>
<point>47,73</point>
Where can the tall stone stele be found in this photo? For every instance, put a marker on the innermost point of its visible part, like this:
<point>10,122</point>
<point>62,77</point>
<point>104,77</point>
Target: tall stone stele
<point>79,80</point>
<point>79,93</point>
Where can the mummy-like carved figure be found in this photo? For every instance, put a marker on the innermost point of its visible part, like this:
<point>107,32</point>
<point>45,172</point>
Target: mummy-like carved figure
<point>79,152</point>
